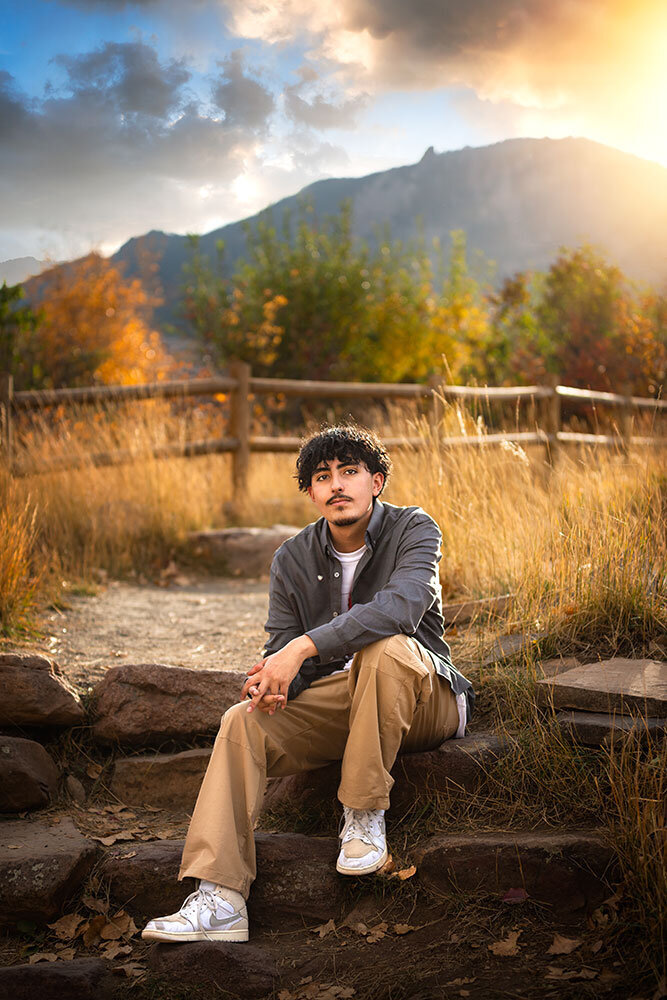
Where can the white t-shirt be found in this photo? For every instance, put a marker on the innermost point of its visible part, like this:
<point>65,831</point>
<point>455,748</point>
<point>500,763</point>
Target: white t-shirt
<point>348,562</point>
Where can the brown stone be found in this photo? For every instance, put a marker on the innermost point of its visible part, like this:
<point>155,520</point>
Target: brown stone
<point>564,870</point>
<point>28,775</point>
<point>169,780</point>
<point>456,765</point>
<point>551,668</point>
<point>240,551</point>
<point>507,646</point>
<point>242,970</point>
<point>296,879</point>
<point>40,866</point>
<point>617,685</point>
<point>595,729</point>
<point>80,979</point>
<point>35,693</point>
<point>140,704</point>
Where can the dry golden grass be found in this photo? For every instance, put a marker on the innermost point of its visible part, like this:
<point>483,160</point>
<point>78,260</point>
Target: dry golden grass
<point>583,548</point>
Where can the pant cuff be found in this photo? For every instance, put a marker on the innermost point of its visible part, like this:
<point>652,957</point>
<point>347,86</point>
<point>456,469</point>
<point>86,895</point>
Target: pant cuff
<point>364,802</point>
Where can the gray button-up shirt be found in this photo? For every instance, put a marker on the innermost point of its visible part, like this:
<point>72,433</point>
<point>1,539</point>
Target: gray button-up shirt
<point>395,590</point>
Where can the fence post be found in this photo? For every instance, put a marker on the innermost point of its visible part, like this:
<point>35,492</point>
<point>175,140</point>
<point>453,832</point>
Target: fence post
<point>6,397</point>
<point>239,427</point>
<point>436,406</point>
<point>553,421</point>
<point>626,416</point>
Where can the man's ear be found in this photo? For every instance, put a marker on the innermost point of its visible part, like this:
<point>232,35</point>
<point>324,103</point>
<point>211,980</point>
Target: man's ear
<point>309,491</point>
<point>378,483</point>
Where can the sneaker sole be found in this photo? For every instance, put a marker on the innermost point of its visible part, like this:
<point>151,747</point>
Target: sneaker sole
<point>230,935</point>
<point>368,870</point>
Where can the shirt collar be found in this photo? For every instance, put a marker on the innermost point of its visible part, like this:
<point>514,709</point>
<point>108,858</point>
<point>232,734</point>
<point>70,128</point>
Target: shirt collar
<point>372,531</point>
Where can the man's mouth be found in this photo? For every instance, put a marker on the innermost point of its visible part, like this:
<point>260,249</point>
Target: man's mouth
<point>339,500</point>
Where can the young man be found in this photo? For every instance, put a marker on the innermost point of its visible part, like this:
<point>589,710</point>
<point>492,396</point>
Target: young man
<point>355,670</point>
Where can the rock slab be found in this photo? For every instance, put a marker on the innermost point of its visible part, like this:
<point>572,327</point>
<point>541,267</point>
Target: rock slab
<point>240,551</point>
<point>616,685</point>
<point>242,970</point>
<point>35,693</point>
<point>296,879</point>
<point>40,866</point>
<point>28,775</point>
<point>80,979</point>
<point>595,729</point>
<point>140,704</point>
<point>456,765</point>
<point>564,870</point>
<point>168,780</point>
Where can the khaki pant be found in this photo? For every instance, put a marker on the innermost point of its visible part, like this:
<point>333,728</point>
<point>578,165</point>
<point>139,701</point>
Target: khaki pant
<point>391,699</point>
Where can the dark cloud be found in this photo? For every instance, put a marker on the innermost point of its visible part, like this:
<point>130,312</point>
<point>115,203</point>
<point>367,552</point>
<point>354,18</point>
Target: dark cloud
<point>128,75</point>
<point>242,99</point>
<point>314,110</point>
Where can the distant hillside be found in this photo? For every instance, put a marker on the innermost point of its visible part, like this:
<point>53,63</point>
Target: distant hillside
<point>17,270</point>
<point>518,201</point>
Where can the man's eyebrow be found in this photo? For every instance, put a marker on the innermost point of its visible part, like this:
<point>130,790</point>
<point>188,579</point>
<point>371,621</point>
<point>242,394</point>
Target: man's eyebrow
<point>327,468</point>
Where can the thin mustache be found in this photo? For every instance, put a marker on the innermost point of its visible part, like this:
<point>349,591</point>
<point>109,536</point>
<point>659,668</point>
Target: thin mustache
<point>333,499</point>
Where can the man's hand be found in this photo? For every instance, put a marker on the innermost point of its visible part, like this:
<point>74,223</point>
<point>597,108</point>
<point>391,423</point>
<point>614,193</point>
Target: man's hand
<point>269,680</point>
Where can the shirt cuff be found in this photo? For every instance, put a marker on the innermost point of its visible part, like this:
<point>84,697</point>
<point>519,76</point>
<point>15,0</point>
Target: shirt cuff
<point>327,642</point>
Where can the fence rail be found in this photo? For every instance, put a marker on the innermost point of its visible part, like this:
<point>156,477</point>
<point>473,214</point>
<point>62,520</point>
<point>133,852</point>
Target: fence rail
<point>240,385</point>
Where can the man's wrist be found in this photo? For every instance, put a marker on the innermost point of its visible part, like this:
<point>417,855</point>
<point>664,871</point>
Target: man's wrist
<point>304,646</point>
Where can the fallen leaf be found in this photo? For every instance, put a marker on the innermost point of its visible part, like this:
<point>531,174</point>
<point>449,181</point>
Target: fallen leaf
<point>324,929</point>
<point>515,896</point>
<point>360,927</point>
<point>563,945</point>
<point>92,929</point>
<point>114,809</point>
<point>153,809</point>
<point>67,927</point>
<point>99,905</point>
<point>346,992</point>
<point>14,847</point>
<point>94,770</point>
<point>387,867</point>
<point>67,954</point>
<point>555,972</point>
<point>377,933</point>
<point>508,946</point>
<point>42,956</point>
<point>113,948</point>
<point>596,947</point>
<point>406,873</point>
<point>460,982</point>
<point>286,995</point>
<point>113,837</point>
<point>131,969</point>
<point>130,854</point>
<point>305,980</point>
<point>404,928</point>
<point>464,993</point>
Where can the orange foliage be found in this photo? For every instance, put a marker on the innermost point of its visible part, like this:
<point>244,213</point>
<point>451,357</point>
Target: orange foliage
<point>95,327</point>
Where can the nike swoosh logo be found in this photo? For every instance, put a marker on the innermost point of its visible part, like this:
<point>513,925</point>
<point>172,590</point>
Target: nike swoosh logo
<point>225,921</point>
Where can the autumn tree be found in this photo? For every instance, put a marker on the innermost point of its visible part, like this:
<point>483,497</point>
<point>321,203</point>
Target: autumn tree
<point>315,303</point>
<point>95,327</point>
<point>18,337</point>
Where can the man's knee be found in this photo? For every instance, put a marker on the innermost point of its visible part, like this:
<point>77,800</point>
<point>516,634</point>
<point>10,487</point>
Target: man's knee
<point>236,719</point>
<point>396,648</point>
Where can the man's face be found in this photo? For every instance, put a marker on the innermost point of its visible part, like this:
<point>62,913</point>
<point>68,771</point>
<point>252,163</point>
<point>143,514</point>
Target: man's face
<point>343,491</point>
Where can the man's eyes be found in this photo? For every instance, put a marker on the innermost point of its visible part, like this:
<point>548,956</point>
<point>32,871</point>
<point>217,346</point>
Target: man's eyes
<point>323,475</point>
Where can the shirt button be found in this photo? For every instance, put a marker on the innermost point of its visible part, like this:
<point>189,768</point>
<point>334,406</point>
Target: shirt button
<point>335,614</point>
<point>336,573</point>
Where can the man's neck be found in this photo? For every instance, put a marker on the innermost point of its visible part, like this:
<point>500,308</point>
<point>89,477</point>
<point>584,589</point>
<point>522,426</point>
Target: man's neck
<point>350,537</point>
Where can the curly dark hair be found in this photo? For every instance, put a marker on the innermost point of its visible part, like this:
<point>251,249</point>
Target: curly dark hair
<point>347,443</point>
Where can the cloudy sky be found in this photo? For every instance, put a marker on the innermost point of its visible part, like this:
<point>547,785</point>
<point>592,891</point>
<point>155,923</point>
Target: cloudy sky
<point>118,117</point>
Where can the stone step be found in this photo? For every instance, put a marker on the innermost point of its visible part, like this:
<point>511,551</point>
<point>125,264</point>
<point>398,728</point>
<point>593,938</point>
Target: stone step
<point>569,871</point>
<point>617,685</point>
<point>246,970</point>
<point>296,879</point>
<point>142,704</point>
<point>173,780</point>
<point>28,775</point>
<point>455,765</point>
<point>463,612</point>
<point>595,729</point>
<point>41,865</point>
<point>239,551</point>
<point>35,693</point>
<point>79,979</point>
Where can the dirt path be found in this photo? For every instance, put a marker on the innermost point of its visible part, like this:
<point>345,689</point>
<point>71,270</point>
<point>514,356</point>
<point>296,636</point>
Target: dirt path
<point>208,622</point>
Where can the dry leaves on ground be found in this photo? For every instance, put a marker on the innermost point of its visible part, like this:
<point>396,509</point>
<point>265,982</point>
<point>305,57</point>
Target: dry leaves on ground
<point>324,929</point>
<point>404,928</point>
<point>67,927</point>
<point>563,945</point>
<point>562,974</point>
<point>308,990</point>
<point>508,946</point>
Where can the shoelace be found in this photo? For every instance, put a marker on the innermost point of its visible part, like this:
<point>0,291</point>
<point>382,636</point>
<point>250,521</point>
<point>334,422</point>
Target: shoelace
<point>357,826</point>
<point>201,896</point>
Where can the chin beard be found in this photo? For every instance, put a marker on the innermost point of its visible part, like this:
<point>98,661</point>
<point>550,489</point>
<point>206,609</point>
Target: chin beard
<point>345,522</point>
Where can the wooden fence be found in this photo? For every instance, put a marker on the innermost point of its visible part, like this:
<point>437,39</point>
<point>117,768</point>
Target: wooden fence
<point>241,386</point>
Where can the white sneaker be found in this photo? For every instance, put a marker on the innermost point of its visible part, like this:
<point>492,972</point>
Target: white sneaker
<point>206,915</point>
<point>363,843</point>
